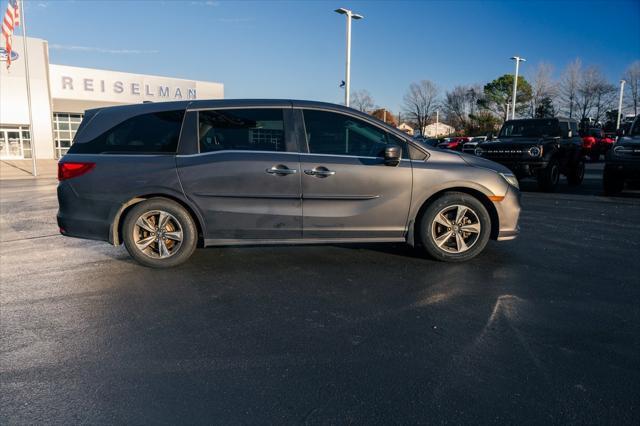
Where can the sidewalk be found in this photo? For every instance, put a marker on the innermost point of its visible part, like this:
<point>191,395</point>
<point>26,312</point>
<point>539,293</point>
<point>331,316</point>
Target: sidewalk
<point>21,169</point>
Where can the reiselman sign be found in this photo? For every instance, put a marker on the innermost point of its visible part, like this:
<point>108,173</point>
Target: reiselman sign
<point>133,89</point>
<point>110,86</point>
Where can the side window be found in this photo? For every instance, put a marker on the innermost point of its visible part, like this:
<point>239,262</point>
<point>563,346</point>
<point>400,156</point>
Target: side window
<point>564,128</point>
<point>155,133</point>
<point>338,134</point>
<point>241,129</point>
<point>574,128</point>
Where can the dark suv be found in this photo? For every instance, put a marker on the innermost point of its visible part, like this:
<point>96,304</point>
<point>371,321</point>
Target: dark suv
<point>623,161</point>
<point>166,177</point>
<point>541,148</point>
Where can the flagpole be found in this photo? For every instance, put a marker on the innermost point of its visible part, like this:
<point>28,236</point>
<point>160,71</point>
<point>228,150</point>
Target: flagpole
<point>26,70</point>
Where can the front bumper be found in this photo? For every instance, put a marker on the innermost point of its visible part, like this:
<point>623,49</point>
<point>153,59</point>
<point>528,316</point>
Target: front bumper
<point>627,168</point>
<point>521,168</point>
<point>508,215</point>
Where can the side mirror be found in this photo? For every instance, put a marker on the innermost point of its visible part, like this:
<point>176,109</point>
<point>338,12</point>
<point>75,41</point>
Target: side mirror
<point>392,155</point>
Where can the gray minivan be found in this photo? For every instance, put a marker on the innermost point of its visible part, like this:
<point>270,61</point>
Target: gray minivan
<point>164,178</point>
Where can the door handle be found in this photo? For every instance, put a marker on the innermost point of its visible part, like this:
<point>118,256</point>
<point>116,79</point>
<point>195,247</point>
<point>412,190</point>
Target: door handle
<point>281,170</point>
<point>321,172</point>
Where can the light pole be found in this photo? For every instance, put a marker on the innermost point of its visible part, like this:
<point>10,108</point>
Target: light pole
<point>622,82</point>
<point>347,80</point>
<point>515,85</point>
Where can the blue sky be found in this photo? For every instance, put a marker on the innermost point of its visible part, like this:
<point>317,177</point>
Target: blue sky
<point>296,49</point>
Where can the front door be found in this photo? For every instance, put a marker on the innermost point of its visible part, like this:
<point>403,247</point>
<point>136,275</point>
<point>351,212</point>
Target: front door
<point>246,178</point>
<point>348,191</point>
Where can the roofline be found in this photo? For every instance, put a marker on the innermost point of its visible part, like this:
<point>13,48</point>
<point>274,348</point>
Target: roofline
<point>246,103</point>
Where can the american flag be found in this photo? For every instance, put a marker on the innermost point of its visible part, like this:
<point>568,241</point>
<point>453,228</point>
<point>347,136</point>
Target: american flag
<point>10,21</point>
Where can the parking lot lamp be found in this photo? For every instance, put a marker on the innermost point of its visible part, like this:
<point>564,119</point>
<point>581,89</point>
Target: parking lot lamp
<point>515,85</point>
<point>622,82</point>
<point>347,80</point>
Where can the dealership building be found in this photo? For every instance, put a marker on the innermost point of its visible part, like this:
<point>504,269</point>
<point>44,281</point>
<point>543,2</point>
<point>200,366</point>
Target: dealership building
<point>60,94</point>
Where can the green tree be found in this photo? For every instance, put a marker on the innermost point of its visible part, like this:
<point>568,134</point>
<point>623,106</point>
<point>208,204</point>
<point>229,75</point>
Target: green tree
<point>483,123</point>
<point>545,108</point>
<point>497,95</point>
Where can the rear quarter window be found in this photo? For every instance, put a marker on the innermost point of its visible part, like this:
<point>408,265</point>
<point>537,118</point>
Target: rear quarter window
<point>153,133</point>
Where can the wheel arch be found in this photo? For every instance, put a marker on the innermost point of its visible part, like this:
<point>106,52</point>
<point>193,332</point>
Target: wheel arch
<point>479,195</point>
<point>115,231</point>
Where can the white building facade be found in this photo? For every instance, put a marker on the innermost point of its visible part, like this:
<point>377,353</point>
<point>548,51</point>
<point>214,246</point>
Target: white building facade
<point>60,94</point>
<point>435,130</point>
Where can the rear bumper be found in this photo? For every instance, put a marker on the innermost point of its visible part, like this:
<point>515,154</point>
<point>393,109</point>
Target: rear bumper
<point>80,217</point>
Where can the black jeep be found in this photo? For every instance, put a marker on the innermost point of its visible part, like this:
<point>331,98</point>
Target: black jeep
<point>623,161</point>
<point>542,148</point>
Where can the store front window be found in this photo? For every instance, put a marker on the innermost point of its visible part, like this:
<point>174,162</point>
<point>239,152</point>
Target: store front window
<point>15,142</point>
<point>65,126</point>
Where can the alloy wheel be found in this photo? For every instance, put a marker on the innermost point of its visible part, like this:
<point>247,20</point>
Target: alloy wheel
<point>158,234</point>
<point>456,229</point>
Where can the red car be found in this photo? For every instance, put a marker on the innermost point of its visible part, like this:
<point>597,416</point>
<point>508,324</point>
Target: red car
<point>595,143</point>
<point>454,143</point>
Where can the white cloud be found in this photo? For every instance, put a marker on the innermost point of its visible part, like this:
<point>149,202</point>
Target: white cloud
<point>100,49</point>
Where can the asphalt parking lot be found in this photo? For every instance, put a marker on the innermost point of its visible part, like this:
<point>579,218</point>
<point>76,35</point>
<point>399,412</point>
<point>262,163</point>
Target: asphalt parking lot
<point>543,329</point>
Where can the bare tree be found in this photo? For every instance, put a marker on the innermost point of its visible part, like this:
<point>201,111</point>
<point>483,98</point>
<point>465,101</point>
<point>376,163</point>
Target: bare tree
<point>542,87</point>
<point>362,100</point>
<point>592,91</point>
<point>420,102</point>
<point>632,76</point>
<point>604,100</point>
<point>455,106</point>
<point>569,86</point>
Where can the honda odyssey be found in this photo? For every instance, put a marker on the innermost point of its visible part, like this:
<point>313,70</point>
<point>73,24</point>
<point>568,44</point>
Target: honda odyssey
<point>165,178</point>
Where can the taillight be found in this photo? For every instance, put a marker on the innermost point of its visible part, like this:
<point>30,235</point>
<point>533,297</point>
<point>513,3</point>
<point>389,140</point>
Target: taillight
<point>71,170</point>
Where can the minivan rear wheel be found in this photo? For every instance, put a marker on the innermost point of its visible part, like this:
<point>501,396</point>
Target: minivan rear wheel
<point>159,233</point>
<point>455,227</point>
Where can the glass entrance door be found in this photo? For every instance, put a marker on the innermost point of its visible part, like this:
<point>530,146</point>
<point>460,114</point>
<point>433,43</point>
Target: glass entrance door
<point>13,145</point>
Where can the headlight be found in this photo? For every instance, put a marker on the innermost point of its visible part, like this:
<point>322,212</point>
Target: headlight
<point>511,179</point>
<point>478,151</point>
<point>535,151</point>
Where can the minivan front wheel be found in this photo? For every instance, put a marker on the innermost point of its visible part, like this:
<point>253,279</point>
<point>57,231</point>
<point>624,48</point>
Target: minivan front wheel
<point>159,233</point>
<point>455,227</point>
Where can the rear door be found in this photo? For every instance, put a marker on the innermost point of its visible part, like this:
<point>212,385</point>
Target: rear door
<point>348,191</point>
<point>245,177</point>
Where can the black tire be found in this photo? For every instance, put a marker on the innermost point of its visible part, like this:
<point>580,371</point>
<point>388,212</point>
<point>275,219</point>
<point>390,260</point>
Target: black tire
<point>612,182</point>
<point>549,177</point>
<point>428,226</point>
<point>576,173</point>
<point>135,236</point>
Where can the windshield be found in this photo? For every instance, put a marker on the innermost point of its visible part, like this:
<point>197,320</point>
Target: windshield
<point>427,142</point>
<point>530,128</point>
<point>635,130</point>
